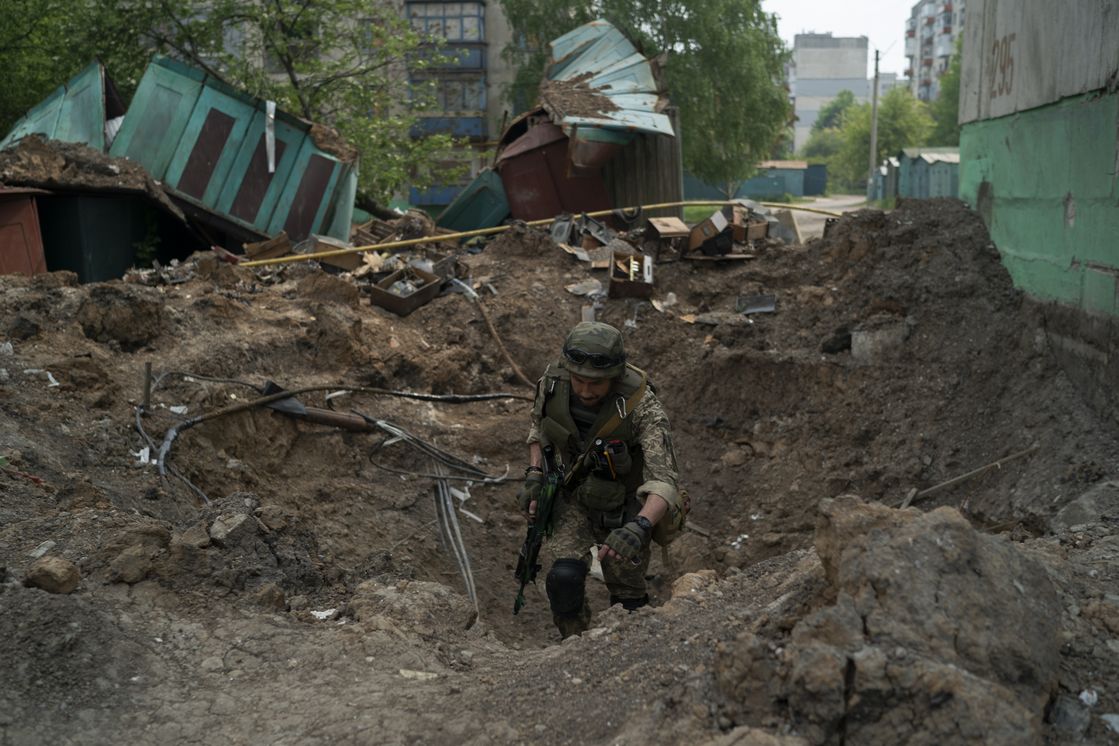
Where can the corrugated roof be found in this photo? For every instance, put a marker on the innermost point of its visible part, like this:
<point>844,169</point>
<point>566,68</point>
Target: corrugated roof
<point>783,164</point>
<point>917,152</point>
<point>597,59</point>
<point>940,157</point>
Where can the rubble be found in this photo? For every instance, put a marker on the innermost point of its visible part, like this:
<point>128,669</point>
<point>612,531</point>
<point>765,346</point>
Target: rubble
<point>316,574</point>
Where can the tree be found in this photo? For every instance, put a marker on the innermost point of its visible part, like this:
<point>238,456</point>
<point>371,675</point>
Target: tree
<point>903,121</point>
<point>823,144</point>
<point>946,107</point>
<point>724,70</point>
<point>339,62</point>
<point>831,114</point>
<point>43,43</point>
<point>824,140</point>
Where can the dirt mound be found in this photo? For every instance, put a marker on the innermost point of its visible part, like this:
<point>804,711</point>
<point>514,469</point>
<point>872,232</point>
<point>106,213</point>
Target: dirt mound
<point>300,587</point>
<point>913,646</point>
<point>33,162</point>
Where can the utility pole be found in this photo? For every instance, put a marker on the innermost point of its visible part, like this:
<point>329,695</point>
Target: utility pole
<point>873,133</point>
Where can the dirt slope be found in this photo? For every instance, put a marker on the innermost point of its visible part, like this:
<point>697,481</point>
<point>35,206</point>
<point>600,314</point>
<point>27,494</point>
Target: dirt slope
<point>311,600</point>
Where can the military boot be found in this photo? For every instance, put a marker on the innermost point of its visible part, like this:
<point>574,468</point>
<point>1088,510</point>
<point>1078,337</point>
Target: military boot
<point>577,624</point>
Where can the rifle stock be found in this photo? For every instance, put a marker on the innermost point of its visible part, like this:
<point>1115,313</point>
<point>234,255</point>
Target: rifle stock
<point>528,564</point>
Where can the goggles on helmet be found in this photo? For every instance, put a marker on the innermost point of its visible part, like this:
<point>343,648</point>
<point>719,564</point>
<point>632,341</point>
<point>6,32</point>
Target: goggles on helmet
<point>595,359</point>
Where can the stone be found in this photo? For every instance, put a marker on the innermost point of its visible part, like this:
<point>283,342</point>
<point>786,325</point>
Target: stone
<point>878,339</point>
<point>1070,716</point>
<point>273,517</point>
<point>53,574</point>
<point>195,536</point>
<point>132,565</point>
<point>422,608</point>
<point>270,596</point>
<point>930,637</point>
<point>1101,501</point>
<point>231,528</point>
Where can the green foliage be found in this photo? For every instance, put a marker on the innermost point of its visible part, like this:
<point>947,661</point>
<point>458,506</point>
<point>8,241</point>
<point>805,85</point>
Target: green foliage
<point>903,121</point>
<point>336,62</point>
<point>43,43</point>
<point>946,107</point>
<point>823,144</point>
<point>831,115</point>
<point>724,70</point>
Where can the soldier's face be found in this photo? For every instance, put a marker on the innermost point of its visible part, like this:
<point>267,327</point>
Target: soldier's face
<point>590,391</point>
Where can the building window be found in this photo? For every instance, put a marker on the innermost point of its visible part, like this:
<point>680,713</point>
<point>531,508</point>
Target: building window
<point>455,22</point>
<point>454,95</point>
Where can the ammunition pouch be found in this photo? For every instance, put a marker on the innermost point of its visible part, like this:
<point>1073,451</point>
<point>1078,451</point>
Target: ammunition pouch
<point>600,495</point>
<point>610,458</point>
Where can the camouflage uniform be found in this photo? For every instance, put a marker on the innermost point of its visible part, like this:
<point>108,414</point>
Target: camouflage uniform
<point>559,420</point>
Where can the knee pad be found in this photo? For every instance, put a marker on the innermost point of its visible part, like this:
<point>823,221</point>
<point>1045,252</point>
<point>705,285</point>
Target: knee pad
<point>630,604</point>
<point>566,585</point>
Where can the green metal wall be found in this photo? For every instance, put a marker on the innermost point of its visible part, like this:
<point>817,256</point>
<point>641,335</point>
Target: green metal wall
<point>1045,181</point>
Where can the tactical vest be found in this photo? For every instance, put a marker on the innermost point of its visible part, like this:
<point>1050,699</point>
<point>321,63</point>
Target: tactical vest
<point>558,427</point>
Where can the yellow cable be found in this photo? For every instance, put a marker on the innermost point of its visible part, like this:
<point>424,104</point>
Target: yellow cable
<point>502,228</point>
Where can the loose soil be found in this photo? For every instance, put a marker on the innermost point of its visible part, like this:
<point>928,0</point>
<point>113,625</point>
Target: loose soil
<point>298,591</point>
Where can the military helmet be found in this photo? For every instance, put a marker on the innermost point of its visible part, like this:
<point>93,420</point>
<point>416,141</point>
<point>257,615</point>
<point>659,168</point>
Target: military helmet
<point>594,350</point>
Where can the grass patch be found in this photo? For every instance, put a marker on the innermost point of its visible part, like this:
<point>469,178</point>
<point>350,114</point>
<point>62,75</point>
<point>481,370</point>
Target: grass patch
<point>698,213</point>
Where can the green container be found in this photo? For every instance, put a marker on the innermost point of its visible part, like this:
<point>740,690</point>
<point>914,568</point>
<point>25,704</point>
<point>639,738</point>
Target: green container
<point>481,205</point>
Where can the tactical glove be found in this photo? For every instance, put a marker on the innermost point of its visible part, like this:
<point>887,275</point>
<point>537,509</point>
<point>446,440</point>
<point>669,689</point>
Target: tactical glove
<point>630,539</point>
<point>531,491</point>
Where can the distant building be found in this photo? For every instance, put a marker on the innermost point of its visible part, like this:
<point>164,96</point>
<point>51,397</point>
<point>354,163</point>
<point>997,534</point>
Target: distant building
<point>930,40</point>
<point>469,85</point>
<point>823,65</point>
<point>886,81</point>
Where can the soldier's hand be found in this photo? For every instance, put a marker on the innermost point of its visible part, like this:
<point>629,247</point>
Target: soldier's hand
<point>627,542</point>
<point>531,492</point>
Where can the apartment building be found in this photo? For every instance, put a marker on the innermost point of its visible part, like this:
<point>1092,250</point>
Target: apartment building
<point>822,66</point>
<point>469,84</point>
<point>930,39</point>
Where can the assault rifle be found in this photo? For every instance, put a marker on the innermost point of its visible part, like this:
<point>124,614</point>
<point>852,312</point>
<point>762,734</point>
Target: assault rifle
<point>539,526</point>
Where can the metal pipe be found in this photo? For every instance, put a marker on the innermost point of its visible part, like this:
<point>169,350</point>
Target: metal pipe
<point>291,258</point>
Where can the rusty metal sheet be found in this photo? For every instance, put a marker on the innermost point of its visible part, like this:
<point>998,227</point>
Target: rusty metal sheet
<point>21,242</point>
<point>536,178</point>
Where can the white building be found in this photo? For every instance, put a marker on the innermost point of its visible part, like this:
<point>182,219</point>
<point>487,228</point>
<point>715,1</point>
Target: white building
<point>930,39</point>
<point>823,65</point>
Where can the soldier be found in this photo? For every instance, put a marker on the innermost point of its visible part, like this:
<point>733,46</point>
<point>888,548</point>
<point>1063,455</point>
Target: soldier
<point>610,432</point>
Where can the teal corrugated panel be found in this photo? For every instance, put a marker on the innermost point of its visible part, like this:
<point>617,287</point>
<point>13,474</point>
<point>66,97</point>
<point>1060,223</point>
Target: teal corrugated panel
<point>258,210</point>
<point>74,112</point>
<point>158,115</point>
<point>288,201</point>
<point>482,204</point>
<point>207,151</point>
<point>615,69</point>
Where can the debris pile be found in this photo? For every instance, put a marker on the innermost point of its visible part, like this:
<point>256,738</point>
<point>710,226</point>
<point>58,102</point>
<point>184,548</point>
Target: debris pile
<point>276,574</point>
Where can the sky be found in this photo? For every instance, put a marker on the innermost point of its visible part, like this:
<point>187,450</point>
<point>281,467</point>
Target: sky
<point>881,21</point>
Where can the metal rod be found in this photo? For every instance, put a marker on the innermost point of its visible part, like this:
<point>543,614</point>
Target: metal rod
<point>291,258</point>
<point>964,477</point>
